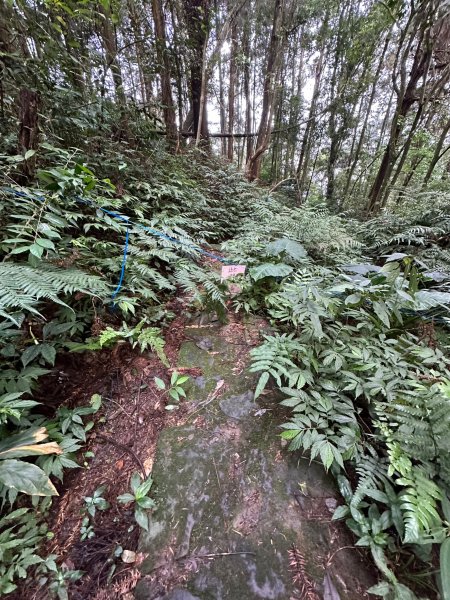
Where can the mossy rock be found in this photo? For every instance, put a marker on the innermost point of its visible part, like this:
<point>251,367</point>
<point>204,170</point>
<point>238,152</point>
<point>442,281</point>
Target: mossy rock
<point>233,508</point>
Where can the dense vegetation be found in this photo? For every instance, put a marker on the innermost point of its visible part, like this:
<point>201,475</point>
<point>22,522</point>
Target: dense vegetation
<point>344,109</point>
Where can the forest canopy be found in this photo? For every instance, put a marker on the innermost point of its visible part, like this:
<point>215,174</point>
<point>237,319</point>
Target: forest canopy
<point>344,100</point>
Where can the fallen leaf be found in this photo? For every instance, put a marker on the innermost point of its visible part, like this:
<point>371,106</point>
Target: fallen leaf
<point>128,556</point>
<point>148,465</point>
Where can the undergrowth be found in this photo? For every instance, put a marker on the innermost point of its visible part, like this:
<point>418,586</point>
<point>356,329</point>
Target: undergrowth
<point>359,345</point>
<point>356,310</point>
<point>62,251</point>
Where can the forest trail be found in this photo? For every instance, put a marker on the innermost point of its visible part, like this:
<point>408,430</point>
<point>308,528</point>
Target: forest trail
<point>237,517</point>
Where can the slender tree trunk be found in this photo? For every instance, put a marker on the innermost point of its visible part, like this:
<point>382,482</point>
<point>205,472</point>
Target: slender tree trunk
<point>197,18</point>
<point>248,100</point>
<point>138,49</point>
<point>270,78</point>
<point>367,115</point>
<point>165,72</point>
<point>408,92</point>
<point>178,64</point>
<point>112,61</point>
<point>336,100</point>
<point>28,128</point>
<point>223,120</point>
<point>403,154</point>
<point>232,90</point>
<point>203,118</point>
<point>305,149</point>
<point>437,155</point>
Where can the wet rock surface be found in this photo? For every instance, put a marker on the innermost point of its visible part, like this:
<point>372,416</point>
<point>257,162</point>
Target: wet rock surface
<point>237,517</point>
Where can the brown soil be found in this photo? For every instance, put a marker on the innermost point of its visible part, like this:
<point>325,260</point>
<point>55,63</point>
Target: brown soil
<point>123,441</point>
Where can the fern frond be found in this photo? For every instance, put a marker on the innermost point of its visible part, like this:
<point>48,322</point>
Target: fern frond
<point>23,285</point>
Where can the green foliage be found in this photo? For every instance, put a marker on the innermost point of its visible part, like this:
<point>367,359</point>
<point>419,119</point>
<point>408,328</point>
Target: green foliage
<point>143,337</point>
<point>140,488</point>
<point>277,229</point>
<point>61,260</point>
<point>345,354</point>
<point>20,534</point>
<point>21,476</point>
<point>419,226</point>
<point>91,505</point>
<point>95,502</point>
<point>59,580</point>
<point>445,568</point>
<point>205,288</point>
<point>24,286</point>
<point>175,390</point>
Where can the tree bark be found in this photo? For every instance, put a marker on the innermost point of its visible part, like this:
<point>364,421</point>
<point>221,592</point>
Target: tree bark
<point>197,20</point>
<point>366,117</point>
<point>305,150</point>
<point>423,32</point>
<point>28,128</point>
<point>112,62</point>
<point>248,100</point>
<point>232,90</point>
<point>164,73</point>
<point>269,93</point>
<point>437,155</point>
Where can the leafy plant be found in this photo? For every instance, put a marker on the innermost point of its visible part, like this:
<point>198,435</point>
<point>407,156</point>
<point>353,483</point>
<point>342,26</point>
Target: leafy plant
<point>20,534</point>
<point>346,349</point>
<point>95,502</point>
<point>22,476</point>
<point>86,530</point>
<point>140,489</point>
<point>144,337</point>
<point>59,580</point>
<point>91,505</point>
<point>175,390</point>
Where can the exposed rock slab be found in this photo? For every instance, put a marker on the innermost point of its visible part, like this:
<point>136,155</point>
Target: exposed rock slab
<point>233,510</point>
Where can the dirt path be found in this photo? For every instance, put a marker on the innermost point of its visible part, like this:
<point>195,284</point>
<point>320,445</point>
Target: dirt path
<point>237,517</point>
<point>123,441</point>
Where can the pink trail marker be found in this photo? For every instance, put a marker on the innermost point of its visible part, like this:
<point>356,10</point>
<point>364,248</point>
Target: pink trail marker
<point>232,270</point>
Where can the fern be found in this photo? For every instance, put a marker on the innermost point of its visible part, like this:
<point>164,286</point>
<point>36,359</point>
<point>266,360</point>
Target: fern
<point>204,287</point>
<point>419,505</point>
<point>23,286</point>
<point>150,337</point>
<point>372,477</point>
<point>144,337</point>
<point>419,422</point>
<point>274,357</point>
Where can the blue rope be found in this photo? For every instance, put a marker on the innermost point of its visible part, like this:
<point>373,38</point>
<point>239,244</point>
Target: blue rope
<point>160,234</point>
<point>124,262</point>
<point>129,222</point>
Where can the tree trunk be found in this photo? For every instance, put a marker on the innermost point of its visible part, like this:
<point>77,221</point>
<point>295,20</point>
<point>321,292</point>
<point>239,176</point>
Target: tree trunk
<point>336,99</point>
<point>248,100</point>
<point>28,128</point>
<point>222,112</point>
<point>197,19</point>
<point>437,155</point>
<point>305,150</point>
<point>140,58</point>
<point>164,72</point>
<point>414,87</point>
<point>232,90</point>
<point>270,79</point>
<point>112,62</point>
<point>178,60</point>
<point>366,118</point>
